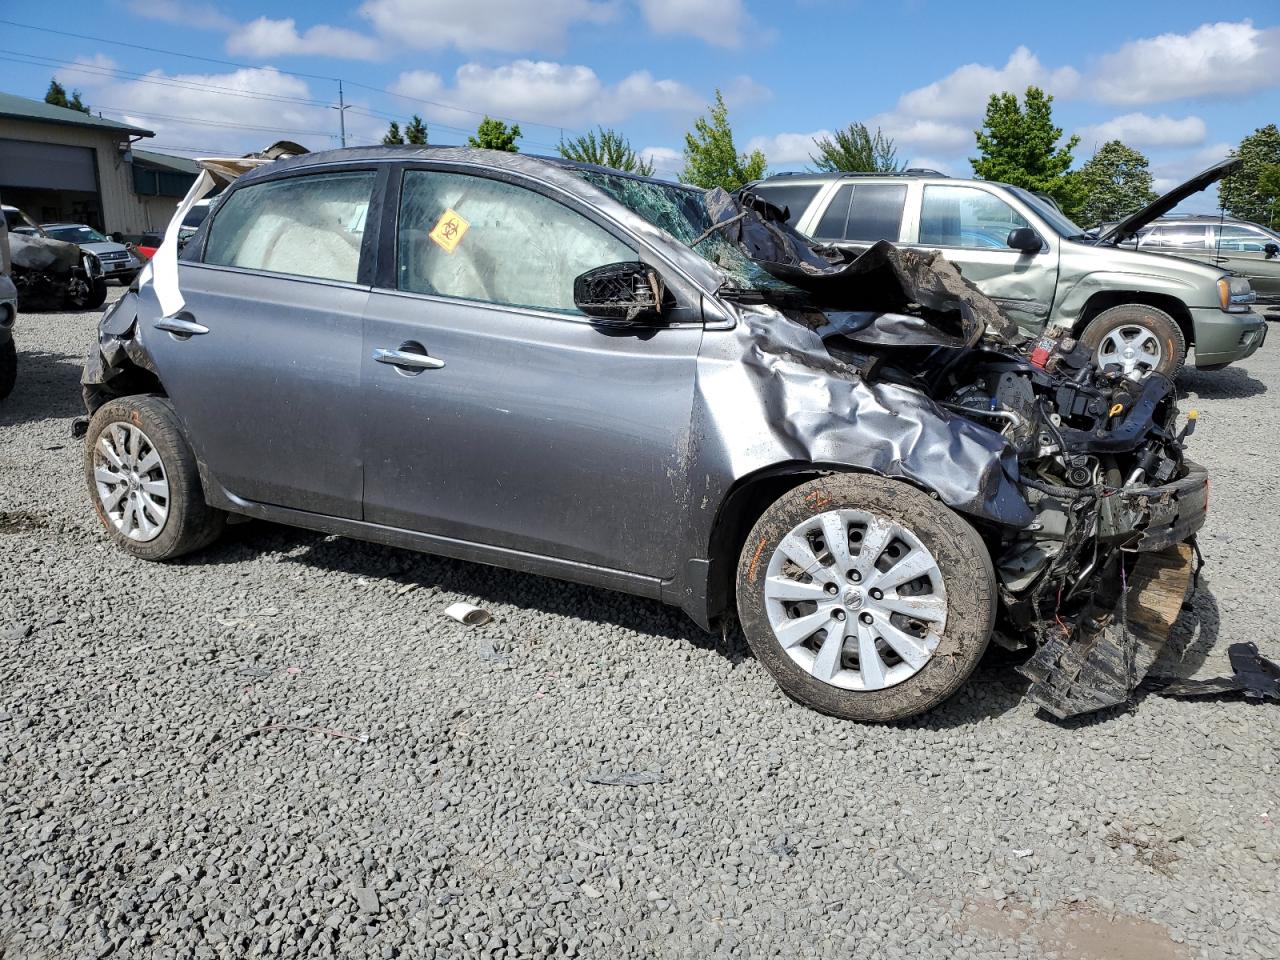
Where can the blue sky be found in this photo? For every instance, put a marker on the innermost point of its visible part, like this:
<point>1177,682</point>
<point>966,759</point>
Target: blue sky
<point>1181,81</point>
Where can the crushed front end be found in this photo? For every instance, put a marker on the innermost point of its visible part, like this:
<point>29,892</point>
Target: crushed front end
<point>1096,557</point>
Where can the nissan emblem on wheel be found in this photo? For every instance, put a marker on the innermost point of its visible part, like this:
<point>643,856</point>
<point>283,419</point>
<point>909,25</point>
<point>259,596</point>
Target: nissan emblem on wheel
<point>856,456</point>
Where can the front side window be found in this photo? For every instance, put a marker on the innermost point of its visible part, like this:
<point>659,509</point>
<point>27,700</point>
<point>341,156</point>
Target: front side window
<point>966,217</point>
<point>479,239</point>
<point>1238,239</point>
<point>308,226</point>
<point>1173,235</point>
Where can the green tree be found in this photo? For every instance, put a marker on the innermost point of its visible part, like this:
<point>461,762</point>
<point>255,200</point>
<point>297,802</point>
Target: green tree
<point>393,134</point>
<point>856,150</point>
<point>1114,183</point>
<point>608,149</point>
<point>1269,184</point>
<point>57,95</point>
<point>710,157</point>
<point>415,131</point>
<point>1018,144</point>
<point>1244,193</point>
<point>495,135</point>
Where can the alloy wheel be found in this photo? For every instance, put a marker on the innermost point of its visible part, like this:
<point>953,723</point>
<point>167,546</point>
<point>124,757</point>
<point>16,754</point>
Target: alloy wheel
<point>131,481</point>
<point>1135,348</point>
<point>855,600</point>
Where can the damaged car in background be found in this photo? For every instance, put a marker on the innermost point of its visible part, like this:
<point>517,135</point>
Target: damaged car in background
<point>8,317</point>
<point>51,274</point>
<point>580,373</point>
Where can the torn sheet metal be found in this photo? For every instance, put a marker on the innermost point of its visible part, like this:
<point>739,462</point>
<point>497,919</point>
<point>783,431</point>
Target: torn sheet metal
<point>1252,674</point>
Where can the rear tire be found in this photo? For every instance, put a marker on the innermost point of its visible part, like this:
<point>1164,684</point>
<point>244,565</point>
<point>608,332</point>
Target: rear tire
<point>950,602</point>
<point>8,367</point>
<point>1153,337</point>
<point>143,480</point>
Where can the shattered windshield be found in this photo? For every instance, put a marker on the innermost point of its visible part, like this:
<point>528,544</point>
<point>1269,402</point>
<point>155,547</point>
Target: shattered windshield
<point>682,212</point>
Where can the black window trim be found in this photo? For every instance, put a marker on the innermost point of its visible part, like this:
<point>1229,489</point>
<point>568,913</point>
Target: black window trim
<point>194,252</point>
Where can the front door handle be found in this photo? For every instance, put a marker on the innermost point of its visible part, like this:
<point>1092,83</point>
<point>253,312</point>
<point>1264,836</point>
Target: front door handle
<point>409,359</point>
<point>182,325</point>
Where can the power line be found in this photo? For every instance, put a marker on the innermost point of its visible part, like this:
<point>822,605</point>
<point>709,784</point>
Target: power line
<point>216,123</point>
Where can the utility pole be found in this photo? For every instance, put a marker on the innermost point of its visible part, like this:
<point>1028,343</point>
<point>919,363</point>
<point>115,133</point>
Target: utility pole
<point>342,116</point>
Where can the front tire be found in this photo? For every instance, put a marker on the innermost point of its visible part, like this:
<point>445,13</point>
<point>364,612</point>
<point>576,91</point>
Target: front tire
<point>88,295</point>
<point>865,598</point>
<point>143,480</point>
<point>1138,338</point>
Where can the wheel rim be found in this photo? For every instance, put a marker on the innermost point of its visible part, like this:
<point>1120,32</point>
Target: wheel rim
<point>884,619</point>
<point>131,482</point>
<point>1134,347</point>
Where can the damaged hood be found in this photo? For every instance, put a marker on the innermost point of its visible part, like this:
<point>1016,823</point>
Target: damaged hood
<point>1161,205</point>
<point>31,252</point>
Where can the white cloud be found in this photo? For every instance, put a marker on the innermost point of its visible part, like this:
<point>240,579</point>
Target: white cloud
<point>743,91</point>
<point>202,16</point>
<point>1142,130</point>
<point>666,162</point>
<point>269,38</point>
<point>718,22</point>
<point>545,92</point>
<point>1215,59</point>
<point>506,25</point>
<point>963,92</point>
<point>787,149</point>
<point>227,103</point>
<point>926,134</point>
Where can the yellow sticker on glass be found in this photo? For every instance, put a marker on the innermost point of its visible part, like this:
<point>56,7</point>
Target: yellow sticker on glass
<point>449,230</point>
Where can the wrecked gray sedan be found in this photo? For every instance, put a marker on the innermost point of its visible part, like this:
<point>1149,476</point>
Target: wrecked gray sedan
<point>630,383</point>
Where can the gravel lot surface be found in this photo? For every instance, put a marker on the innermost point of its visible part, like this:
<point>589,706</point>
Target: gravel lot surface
<point>280,747</point>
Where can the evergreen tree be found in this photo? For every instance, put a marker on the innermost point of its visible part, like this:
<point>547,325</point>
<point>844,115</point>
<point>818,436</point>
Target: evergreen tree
<point>1114,183</point>
<point>855,150</point>
<point>710,157</point>
<point>495,135</point>
<point>1019,145</point>
<point>607,149</point>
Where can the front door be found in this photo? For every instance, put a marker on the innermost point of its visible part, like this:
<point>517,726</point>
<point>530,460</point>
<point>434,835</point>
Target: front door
<point>263,362</point>
<point>495,411</point>
<point>971,227</point>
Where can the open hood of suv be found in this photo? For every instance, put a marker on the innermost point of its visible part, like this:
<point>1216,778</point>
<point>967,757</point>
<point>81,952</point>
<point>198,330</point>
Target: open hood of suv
<point>1163,204</point>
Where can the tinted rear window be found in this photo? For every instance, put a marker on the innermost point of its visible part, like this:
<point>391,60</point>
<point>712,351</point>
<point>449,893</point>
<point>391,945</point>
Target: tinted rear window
<point>794,197</point>
<point>876,212</point>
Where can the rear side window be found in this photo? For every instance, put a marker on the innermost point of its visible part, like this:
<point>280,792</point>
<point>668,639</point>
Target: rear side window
<point>310,226</point>
<point>876,211</point>
<point>966,217</point>
<point>1174,235</point>
<point>831,226</point>
<point>795,198</point>
<point>479,239</point>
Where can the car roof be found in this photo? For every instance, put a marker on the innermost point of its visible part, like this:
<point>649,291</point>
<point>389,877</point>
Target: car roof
<point>528,163</point>
<point>64,223</point>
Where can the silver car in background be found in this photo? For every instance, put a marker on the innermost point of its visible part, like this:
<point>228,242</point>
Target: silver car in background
<point>119,261</point>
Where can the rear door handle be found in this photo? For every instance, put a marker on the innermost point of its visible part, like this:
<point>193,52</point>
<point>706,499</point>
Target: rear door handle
<point>183,325</point>
<point>411,360</point>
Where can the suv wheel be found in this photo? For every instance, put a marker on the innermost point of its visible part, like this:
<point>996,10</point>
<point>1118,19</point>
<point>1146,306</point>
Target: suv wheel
<point>865,598</point>
<point>1139,338</point>
<point>87,294</point>
<point>144,482</point>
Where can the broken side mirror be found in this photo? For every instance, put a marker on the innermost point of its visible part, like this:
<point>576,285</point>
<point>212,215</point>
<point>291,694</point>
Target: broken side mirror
<point>1024,240</point>
<point>1272,250</point>
<point>627,292</point>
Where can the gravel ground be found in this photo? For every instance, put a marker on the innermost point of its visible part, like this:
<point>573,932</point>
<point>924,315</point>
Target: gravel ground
<point>279,747</point>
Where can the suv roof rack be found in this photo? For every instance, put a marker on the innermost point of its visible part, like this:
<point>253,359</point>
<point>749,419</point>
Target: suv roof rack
<point>841,174</point>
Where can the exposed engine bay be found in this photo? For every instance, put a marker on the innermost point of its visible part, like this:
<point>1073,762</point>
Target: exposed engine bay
<point>50,274</point>
<point>1093,575</point>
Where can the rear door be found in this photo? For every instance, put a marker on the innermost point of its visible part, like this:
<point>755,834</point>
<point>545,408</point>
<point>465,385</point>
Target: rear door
<point>859,214</point>
<point>971,226</point>
<point>518,422</point>
<point>263,362</point>
<point>1242,249</point>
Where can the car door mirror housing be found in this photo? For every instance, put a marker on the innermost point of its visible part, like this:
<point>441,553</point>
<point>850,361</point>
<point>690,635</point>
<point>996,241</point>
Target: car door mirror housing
<point>628,292</point>
<point>1272,250</point>
<point>1024,240</point>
